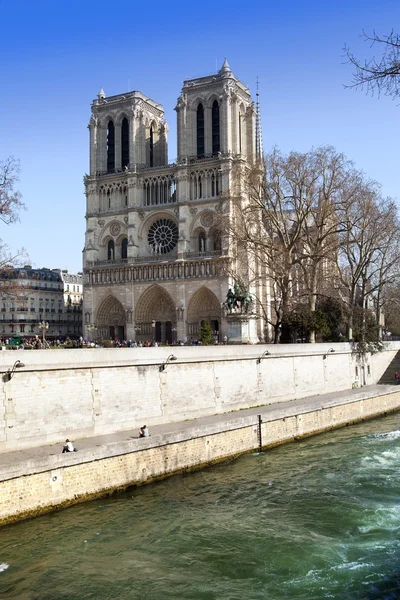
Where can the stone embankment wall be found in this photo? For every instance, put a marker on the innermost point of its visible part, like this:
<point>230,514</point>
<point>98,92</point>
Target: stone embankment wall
<point>32,487</point>
<point>86,392</point>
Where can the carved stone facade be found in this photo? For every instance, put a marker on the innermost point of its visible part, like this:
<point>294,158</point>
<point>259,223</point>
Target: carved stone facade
<point>155,263</point>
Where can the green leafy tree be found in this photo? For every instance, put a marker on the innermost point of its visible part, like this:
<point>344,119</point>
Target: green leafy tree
<point>333,315</point>
<point>302,322</point>
<point>206,333</point>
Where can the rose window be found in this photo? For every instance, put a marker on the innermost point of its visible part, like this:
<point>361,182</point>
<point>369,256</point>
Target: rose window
<point>163,236</point>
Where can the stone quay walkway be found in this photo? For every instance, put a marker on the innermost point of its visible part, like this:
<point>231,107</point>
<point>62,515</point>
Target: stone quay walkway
<point>44,458</point>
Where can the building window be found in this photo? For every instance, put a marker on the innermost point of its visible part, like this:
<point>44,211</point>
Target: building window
<point>110,250</point>
<point>151,147</point>
<point>215,127</point>
<point>200,131</point>
<point>110,147</point>
<point>124,143</point>
<point>22,328</point>
<point>163,236</point>
<point>217,242</point>
<point>124,248</point>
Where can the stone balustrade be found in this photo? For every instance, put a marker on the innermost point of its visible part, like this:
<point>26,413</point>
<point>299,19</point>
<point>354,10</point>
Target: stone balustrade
<point>101,274</point>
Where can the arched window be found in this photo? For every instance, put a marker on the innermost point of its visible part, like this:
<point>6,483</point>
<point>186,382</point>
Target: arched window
<point>215,127</point>
<point>124,248</point>
<point>217,241</point>
<point>110,250</point>
<point>200,187</point>
<point>110,147</point>
<point>124,143</point>
<point>151,146</point>
<point>200,131</point>
<point>202,241</point>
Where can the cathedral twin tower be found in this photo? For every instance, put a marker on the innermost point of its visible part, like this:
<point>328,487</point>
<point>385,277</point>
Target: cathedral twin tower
<point>155,263</point>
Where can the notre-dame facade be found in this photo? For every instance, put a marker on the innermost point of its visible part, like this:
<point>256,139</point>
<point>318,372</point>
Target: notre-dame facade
<point>155,262</point>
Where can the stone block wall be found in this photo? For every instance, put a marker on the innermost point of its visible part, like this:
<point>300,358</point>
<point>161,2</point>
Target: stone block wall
<point>80,393</point>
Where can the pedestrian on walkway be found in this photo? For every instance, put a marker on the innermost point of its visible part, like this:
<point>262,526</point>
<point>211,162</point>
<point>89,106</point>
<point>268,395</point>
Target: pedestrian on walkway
<point>68,447</point>
<point>396,376</point>
<point>143,431</point>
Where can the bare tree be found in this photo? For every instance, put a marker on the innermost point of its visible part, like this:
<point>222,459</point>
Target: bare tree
<point>10,199</point>
<point>369,251</point>
<point>305,226</point>
<point>334,184</point>
<point>380,73</point>
<point>264,225</point>
<point>10,206</point>
<point>284,217</point>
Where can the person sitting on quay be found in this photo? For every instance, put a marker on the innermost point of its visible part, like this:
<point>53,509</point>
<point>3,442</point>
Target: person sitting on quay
<point>68,447</point>
<point>144,431</point>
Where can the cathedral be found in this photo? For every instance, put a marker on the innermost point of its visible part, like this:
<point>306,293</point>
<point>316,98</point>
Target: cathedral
<point>155,263</point>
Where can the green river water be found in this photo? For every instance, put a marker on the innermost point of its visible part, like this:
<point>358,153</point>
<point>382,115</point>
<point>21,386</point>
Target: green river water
<point>310,520</point>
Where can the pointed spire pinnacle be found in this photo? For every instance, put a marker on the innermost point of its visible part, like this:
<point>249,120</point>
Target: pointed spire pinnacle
<point>101,95</point>
<point>225,68</point>
<point>259,144</point>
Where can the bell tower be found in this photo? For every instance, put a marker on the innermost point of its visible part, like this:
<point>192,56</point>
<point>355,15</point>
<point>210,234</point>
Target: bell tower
<point>215,117</point>
<point>125,130</point>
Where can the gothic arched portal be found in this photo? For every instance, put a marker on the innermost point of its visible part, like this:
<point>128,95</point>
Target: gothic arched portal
<point>155,315</point>
<point>111,319</point>
<point>203,306</point>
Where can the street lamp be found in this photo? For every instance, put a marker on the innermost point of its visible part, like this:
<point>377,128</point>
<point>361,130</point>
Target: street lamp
<point>263,355</point>
<point>9,374</point>
<point>44,325</point>
<point>162,367</point>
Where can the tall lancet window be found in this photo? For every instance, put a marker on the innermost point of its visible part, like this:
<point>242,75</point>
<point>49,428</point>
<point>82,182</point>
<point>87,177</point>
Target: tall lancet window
<point>124,143</point>
<point>151,147</point>
<point>124,248</point>
<point>200,131</point>
<point>215,127</point>
<point>110,147</point>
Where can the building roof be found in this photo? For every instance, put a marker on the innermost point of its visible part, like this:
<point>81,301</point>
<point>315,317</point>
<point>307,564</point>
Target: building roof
<point>28,273</point>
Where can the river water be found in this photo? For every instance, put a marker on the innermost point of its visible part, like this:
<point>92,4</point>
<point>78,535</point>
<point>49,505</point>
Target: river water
<point>310,520</point>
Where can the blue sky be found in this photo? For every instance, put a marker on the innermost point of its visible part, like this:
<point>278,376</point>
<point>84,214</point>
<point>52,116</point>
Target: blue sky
<point>56,55</point>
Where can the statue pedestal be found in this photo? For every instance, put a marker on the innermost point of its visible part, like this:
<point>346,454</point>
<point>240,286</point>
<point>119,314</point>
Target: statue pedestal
<point>242,329</point>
